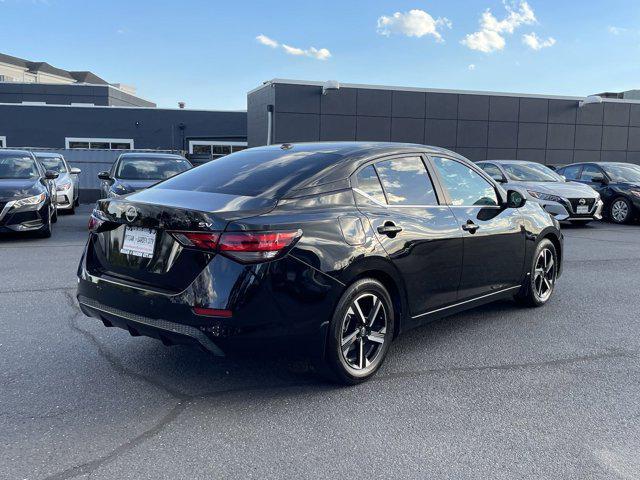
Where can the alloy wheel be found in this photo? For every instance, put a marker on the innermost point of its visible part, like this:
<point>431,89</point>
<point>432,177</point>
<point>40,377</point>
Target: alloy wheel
<point>619,211</point>
<point>544,274</point>
<point>364,329</point>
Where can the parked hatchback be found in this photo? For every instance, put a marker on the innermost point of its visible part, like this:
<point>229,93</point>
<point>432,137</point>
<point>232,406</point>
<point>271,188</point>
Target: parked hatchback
<point>565,200</point>
<point>328,248</point>
<point>618,183</point>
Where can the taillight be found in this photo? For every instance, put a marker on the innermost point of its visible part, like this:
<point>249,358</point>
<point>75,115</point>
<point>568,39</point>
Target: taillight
<point>96,220</point>
<point>250,247</point>
<point>245,247</point>
<point>199,240</point>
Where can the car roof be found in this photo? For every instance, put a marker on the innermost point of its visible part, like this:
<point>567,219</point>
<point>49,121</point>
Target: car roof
<point>151,155</point>
<point>349,156</point>
<point>503,162</point>
<point>48,155</point>
<point>599,163</point>
<point>6,152</point>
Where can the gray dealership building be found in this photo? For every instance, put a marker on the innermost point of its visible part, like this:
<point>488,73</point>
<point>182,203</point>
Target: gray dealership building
<point>478,125</point>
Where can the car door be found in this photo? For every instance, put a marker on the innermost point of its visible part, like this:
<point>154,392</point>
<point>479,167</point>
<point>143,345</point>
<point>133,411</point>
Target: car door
<point>420,235</point>
<point>494,236</point>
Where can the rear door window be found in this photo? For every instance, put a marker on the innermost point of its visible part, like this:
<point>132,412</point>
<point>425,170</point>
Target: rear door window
<point>406,182</point>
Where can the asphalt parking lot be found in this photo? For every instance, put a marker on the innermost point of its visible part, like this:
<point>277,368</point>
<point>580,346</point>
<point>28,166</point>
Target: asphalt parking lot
<point>497,392</point>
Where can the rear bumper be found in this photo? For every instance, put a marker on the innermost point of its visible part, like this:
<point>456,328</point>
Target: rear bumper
<point>284,302</point>
<point>170,333</point>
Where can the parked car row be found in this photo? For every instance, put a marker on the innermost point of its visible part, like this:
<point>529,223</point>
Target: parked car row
<point>565,200</point>
<point>27,194</point>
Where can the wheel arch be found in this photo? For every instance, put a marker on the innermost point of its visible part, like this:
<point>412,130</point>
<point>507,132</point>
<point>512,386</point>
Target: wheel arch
<point>554,237</point>
<point>384,271</point>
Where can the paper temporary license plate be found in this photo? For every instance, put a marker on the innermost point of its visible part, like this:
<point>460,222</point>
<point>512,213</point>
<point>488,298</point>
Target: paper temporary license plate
<point>582,209</point>
<point>139,242</point>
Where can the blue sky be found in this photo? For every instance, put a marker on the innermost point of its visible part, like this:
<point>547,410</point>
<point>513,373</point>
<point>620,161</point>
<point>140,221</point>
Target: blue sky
<point>206,52</point>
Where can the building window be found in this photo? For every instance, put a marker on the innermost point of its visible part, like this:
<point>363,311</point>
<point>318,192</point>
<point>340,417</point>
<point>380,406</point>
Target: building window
<point>215,149</point>
<point>99,143</point>
<point>3,142</point>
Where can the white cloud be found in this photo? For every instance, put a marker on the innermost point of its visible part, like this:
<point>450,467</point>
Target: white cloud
<point>536,43</point>
<point>264,40</point>
<point>317,53</point>
<point>490,37</point>
<point>616,30</point>
<point>472,66</point>
<point>414,23</point>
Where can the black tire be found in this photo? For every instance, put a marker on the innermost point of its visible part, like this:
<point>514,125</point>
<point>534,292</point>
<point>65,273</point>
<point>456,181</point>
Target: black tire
<point>45,232</point>
<point>364,356</point>
<point>534,291</point>
<point>54,215</point>
<point>617,207</point>
<point>72,210</point>
<point>580,223</point>
<point>76,202</point>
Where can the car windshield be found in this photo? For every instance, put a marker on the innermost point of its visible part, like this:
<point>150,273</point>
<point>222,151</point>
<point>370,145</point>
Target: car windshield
<point>530,172</point>
<point>18,167</point>
<point>623,173</point>
<point>55,164</point>
<point>254,172</point>
<point>140,168</point>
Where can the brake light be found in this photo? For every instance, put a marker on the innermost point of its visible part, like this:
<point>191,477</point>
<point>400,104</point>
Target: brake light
<point>245,247</point>
<point>199,240</point>
<point>252,247</point>
<point>96,220</point>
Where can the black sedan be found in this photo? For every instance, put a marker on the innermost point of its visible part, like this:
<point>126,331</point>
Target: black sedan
<point>135,171</point>
<point>27,194</point>
<point>330,248</point>
<point>617,183</point>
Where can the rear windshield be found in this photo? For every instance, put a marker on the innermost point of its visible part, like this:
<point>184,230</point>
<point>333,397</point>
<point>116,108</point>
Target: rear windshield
<point>55,164</point>
<point>267,173</point>
<point>18,167</point>
<point>150,168</point>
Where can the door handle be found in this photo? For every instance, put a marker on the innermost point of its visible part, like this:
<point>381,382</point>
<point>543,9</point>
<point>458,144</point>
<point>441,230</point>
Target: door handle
<point>390,229</point>
<point>470,226</point>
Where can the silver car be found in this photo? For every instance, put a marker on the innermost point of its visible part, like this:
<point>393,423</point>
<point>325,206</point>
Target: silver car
<point>67,183</point>
<point>565,200</point>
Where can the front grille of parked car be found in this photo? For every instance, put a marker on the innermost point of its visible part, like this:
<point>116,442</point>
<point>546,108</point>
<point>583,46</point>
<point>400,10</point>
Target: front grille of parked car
<point>575,203</point>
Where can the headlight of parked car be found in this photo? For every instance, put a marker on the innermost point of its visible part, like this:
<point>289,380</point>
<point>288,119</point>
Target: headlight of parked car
<point>35,200</point>
<point>545,196</point>
<point>635,192</point>
<point>63,186</point>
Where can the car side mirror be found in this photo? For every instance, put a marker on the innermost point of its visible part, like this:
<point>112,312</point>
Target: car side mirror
<point>104,176</point>
<point>515,199</point>
<point>499,178</point>
<point>599,179</point>
<point>50,175</point>
<point>75,171</point>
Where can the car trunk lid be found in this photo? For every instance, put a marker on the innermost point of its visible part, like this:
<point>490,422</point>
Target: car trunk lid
<point>149,217</point>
